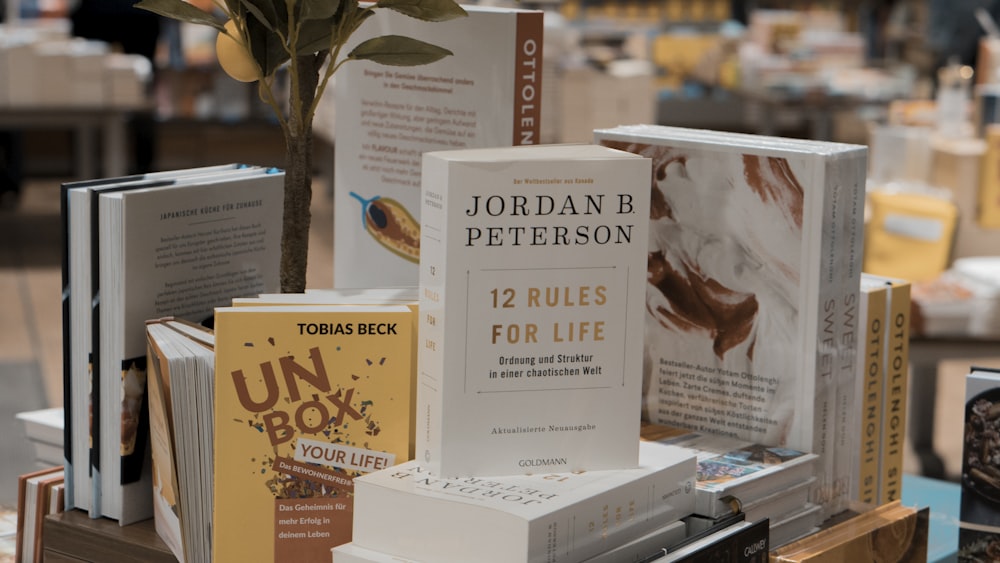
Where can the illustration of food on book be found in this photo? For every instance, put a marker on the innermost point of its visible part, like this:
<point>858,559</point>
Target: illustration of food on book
<point>981,472</point>
<point>389,223</point>
<point>133,392</point>
<point>741,462</point>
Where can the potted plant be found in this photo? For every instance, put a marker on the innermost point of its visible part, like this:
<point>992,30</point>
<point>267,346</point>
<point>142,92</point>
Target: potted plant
<point>257,37</point>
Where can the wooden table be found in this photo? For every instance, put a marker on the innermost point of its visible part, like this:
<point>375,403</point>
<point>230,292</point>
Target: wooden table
<point>72,536</point>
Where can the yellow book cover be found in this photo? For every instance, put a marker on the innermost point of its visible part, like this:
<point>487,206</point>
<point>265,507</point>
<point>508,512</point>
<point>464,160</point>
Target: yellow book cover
<point>307,397</point>
<point>989,183</point>
<point>896,390</point>
<point>909,235</point>
<point>871,361</point>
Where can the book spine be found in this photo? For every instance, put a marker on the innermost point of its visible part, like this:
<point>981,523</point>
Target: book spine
<point>96,499</point>
<point>989,183</point>
<point>432,323</point>
<point>850,251</point>
<point>67,353</point>
<point>818,397</point>
<point>896,390</point>
<point>871,362</point>
<point>527,79</point>
<point>749,544</point>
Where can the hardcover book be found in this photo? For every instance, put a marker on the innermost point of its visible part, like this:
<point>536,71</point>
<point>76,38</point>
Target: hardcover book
<point>736,473</point>
<point>867,425</point>
<point>306,399</point>
<point>79,229</point>
<point>890,532</point>
<point>531,315</point>
<point>179,249</point>
<point>487,94</point>
<point>745,542</point>
<point>754,267</point>
<point>569,516</point>
<point>979,519</point>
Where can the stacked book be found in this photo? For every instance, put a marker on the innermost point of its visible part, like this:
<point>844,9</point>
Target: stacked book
<point>762,482</point>
<point>44,430</point>
<point>531,302</point>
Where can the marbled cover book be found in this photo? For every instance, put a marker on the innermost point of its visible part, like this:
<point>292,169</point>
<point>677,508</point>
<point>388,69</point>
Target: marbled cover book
<point>531,319</point>
<point>754,262</point>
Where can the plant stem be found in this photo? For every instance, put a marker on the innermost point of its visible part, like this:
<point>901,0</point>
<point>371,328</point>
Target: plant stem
<point>298,176</point>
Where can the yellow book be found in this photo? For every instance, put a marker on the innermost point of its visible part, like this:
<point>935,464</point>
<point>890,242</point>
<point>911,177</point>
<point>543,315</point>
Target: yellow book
<point>896,390</point>
<point>909,235</point>
<point>870,380</point>
<point>306,399</point>
<point>988,215</point>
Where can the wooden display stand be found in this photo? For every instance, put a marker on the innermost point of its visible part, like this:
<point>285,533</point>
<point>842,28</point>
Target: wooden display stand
<point>72,536</point>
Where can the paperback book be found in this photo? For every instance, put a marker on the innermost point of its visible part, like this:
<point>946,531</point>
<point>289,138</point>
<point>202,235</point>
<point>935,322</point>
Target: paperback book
<point>181,379</point>
<point>979,519</point>
<point>487,94</point>
<point>745,542</point>
<point>867,427</point>
<point>179,249</point>
<point>307,398</point>
<point>895,391</point>
<point>736,473</point>
<point>44,430</point>
<point>754,265</point>
<point>408,511</point>
<point>531,280</point>
<point>39,493</point>
<point>78,211</point>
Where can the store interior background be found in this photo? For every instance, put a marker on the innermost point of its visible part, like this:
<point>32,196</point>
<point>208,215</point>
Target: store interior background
<point>690,63</point>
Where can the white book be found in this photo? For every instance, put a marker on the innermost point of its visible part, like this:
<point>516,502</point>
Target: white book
<point>739,473</point>
<point>632,551</point>
<point>351,553</point>
<point>43,425</point>
<point>755,254</point>
<point>78,209</point>
<point>407,511</point>
<point>796,525</point>
<point>178,250</point>
<point>531,314</point>
<point>487,94</point>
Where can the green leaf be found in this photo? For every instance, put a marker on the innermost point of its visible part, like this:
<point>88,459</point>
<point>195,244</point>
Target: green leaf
<point>426,10</point>
<point>179,10</point>
<point>396,50</point>
<point>265,46</point>
<point>318,9</point>
<point>265,11</point>
<point>314,36</point>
